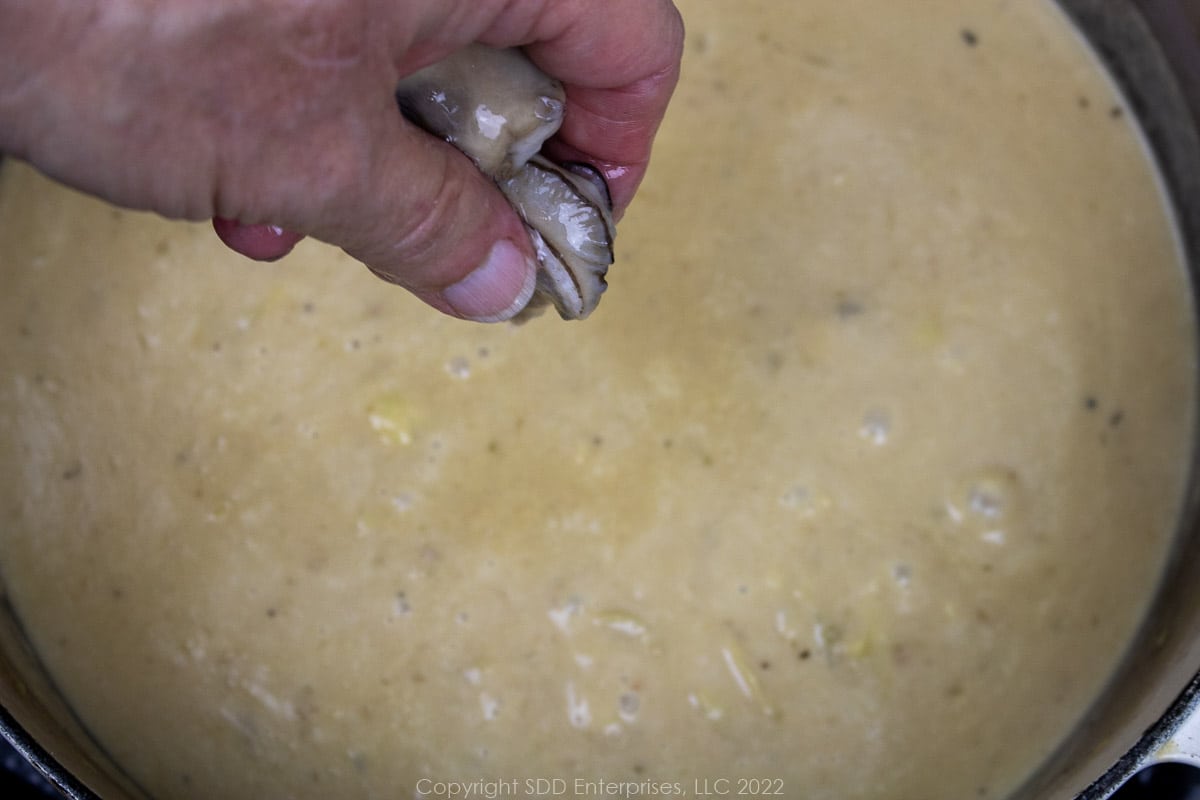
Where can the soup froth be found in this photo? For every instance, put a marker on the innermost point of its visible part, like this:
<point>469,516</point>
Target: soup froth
<point>858,481</point>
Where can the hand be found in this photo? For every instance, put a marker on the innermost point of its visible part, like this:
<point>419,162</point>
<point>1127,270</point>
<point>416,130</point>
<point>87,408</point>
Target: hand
<point>281,113</point>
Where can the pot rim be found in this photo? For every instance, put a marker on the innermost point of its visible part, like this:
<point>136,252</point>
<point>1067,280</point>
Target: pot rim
<point>1166,740</point>
<point>46,764</point>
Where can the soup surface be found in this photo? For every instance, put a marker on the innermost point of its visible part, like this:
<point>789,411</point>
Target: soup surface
<point>856,485</point>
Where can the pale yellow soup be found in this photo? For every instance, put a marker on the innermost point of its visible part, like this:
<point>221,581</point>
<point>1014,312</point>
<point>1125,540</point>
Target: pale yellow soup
<point>857,483</point>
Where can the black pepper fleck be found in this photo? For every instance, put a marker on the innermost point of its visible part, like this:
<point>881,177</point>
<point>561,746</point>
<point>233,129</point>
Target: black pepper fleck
<point>847,307</point>
<point>402,604</point>
<point>969,37</point>
<point>1117,418</point>
<point>1090,402</point>
<point>73,471</point>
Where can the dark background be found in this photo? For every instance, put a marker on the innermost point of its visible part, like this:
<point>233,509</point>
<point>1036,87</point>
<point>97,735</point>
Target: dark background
<point>19,781</point>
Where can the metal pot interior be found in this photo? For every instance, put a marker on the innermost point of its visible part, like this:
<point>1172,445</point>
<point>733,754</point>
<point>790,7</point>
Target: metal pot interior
<point>1152,50</point>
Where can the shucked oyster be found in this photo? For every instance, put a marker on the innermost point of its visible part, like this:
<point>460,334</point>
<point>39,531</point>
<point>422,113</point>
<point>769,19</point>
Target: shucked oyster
<point>498,108</point>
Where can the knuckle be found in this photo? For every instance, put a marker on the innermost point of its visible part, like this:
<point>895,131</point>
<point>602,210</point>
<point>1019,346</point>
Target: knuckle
<point>429,226</point>
<point>327,32</point>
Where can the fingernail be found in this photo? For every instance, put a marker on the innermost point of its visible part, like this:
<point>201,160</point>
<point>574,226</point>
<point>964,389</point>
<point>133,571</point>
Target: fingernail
<point>259,242</point>
<point>497,289</point>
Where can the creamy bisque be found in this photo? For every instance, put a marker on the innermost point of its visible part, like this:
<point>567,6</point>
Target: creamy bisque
<point>858,481</point>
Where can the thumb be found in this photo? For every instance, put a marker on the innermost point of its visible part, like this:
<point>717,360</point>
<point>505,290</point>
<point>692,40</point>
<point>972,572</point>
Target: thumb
<point>412,208</point>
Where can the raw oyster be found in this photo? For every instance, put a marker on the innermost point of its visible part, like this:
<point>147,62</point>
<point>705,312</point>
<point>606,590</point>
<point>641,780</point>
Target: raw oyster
<point>498,108</point>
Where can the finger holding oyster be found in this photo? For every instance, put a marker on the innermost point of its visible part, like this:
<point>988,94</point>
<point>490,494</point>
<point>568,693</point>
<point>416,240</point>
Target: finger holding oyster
<point>279,120</point>
<point>498,108</point>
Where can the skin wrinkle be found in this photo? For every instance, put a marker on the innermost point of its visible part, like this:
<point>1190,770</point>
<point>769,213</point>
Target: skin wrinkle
<point>413,234</point>
<point>437,208</point>
<point>537,21</point>
<point>344,143</point>
<point>500,23</point>
<point>569,51</point>
<point>319,41</point>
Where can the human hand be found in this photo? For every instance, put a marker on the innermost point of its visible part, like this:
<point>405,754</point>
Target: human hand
<point>281,113</point>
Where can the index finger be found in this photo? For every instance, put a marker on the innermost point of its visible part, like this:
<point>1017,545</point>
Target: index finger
<point>619,62</point>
